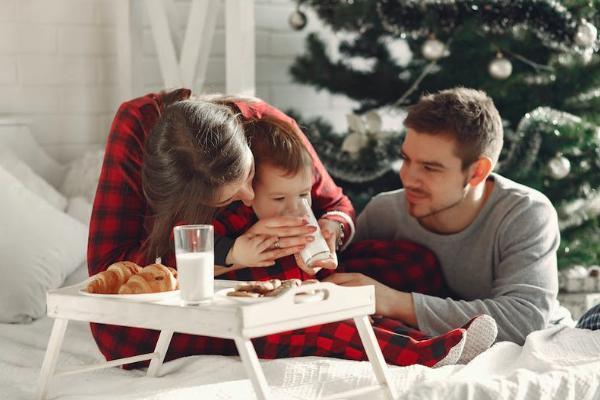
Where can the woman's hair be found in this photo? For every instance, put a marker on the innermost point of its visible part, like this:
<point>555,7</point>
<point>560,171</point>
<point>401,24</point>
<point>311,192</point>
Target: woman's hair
<point>278,143</point>
<point>468,115</point>
<point>195,148</point>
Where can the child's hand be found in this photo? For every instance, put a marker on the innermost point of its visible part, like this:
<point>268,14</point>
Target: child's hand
<point>251,250</point>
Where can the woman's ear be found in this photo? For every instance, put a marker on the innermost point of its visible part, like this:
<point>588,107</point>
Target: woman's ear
<point>480,170</point>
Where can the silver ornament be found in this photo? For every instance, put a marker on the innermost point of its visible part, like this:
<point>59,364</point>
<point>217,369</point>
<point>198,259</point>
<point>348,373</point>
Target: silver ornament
<point>297,20</point>
<point>500,67</point>
<point>433,49</point>
<point>586,34</point>
<point>559,167</point>
<point>587,55</point>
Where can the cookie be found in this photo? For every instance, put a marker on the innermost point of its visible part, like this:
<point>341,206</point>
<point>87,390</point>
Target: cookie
<point>270,288</point>
<point>240,293</point>
<point>260,287</point>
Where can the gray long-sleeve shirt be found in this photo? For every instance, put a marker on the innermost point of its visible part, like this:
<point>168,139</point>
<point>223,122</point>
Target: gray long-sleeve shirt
<point>503,264</point>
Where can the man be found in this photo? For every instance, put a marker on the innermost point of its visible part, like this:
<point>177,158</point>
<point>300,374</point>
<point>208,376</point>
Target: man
<point>496,240</point>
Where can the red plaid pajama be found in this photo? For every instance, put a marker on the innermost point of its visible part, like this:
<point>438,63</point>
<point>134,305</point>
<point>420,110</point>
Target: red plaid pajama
<point>400,264</point>
<point>118,228</point>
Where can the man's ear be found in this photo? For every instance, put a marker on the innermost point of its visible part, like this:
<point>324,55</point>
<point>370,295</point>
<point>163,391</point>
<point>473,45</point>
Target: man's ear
<point>480,170</point>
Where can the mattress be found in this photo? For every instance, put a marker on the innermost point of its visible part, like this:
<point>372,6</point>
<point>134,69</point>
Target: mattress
<point>559,362</point>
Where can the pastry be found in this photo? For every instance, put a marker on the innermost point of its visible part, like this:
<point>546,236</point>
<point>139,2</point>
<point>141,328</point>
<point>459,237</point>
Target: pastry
<point>109,281</point>
<point>153,278</point>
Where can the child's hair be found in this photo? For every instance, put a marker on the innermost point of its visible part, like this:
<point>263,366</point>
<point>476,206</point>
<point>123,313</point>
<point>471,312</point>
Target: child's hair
<point>279,144</point>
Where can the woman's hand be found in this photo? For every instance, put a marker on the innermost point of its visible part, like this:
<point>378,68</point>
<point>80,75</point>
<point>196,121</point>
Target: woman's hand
<point>270,239</point>
<point>330,230</point>
<point>283,227</point>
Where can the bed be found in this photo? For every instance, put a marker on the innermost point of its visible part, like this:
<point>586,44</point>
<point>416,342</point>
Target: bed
<point>560,362</point>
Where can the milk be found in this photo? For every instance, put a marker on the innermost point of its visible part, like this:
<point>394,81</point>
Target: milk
<point>317,250</point>
<point>196,276</point>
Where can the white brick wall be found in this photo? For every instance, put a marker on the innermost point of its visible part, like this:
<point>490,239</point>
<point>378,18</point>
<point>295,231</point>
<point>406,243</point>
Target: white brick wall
<point>58,67</point>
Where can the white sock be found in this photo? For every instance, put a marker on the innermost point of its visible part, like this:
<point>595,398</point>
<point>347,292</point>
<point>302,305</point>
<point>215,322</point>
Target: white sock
<point>454,354</point>
<point>481,334</point>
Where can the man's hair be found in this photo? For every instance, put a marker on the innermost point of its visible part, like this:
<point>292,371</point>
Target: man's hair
<point>277,143</point>
<point>468,115</point>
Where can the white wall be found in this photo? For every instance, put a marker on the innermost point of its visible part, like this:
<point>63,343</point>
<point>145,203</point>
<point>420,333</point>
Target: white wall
<point>58,67</point>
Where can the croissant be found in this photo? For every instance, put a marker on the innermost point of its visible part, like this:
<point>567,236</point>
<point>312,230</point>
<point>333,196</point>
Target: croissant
<point>109,281</point>
<point>152,278</point>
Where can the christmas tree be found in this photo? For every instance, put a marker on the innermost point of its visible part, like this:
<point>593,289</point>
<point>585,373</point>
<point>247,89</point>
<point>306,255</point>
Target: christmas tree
<point>537,59</point>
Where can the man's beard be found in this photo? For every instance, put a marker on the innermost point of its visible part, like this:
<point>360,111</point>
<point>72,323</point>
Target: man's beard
<point>437,211</point>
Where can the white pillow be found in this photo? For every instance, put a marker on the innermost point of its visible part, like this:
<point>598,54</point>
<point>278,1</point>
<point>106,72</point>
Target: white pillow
<point>18,138</point>
<point>80,209</point>
<point>81,178</point>
<point>17,168</point>
<point>39,247</point>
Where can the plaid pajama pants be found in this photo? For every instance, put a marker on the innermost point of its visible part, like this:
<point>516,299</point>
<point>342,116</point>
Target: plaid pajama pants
<point>401,265</point>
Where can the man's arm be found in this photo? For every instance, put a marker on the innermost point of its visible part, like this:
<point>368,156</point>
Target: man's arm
<point>525,281</point>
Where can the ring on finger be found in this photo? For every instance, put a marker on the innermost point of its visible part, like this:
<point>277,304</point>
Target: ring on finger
<point>277,245</point>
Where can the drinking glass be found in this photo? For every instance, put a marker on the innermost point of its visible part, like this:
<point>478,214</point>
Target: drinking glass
<point>315,254</point>
<point>194,254</point>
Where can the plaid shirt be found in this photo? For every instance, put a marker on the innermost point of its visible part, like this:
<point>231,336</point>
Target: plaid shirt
<point>121,215</point>
<point>591,319</point>
<point>118,229</point>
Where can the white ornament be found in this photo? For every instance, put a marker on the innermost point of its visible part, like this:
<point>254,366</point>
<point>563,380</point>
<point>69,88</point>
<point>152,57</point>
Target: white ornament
<point>559,167</point>
<point>354,143</point>
<point>500,67</point>
<point>587,55</point>
<point>433,49</point>
<point>355,124</point>
<point>373,122</point>
<point>586,34</point>
<point>399,51</point>
<point>297,20</point>
<point>361,64</point>
<point>396,165</point>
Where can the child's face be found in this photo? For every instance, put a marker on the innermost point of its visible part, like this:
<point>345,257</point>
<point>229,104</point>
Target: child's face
<point>276,194</point>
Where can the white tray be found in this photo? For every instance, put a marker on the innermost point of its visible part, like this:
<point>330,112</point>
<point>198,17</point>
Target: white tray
<point>299,307</point>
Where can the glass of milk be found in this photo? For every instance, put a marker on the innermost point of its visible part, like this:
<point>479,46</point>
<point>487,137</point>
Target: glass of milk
<point>315,254</point>
<point>194,254</point>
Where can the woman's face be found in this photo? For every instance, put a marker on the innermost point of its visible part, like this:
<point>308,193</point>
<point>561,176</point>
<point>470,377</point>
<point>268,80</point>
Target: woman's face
<point>242,189</point>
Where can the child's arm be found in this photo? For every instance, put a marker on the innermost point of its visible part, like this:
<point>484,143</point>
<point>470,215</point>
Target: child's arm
<point>253,243</point>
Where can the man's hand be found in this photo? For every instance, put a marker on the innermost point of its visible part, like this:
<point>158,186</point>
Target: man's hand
<point>388,302</point>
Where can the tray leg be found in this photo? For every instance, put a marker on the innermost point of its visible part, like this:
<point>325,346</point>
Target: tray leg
<point>253,368</point>
<point>162,345</point>
<point>51,357</point>
<point>367,336</point>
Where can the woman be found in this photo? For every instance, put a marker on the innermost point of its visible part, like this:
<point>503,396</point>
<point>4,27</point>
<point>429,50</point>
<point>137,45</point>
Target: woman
<point>171,160</point>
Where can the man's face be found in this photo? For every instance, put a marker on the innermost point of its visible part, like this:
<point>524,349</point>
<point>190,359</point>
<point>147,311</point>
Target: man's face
<point>277,194</point>
<point>434,183</point>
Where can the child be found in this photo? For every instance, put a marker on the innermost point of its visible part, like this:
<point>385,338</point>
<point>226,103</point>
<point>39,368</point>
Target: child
<point>284,175</point>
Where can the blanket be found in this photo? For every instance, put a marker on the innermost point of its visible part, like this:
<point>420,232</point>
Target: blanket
<point>559,362</point>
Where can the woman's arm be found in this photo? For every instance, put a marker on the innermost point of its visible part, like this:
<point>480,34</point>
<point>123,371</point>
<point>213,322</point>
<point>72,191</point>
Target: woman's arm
<point>117,230</point>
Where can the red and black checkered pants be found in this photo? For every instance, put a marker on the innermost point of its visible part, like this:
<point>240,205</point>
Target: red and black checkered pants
<point>401,265</point>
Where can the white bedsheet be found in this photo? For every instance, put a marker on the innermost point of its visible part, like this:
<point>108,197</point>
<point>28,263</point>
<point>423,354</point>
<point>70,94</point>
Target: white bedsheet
<point>557,363</point>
